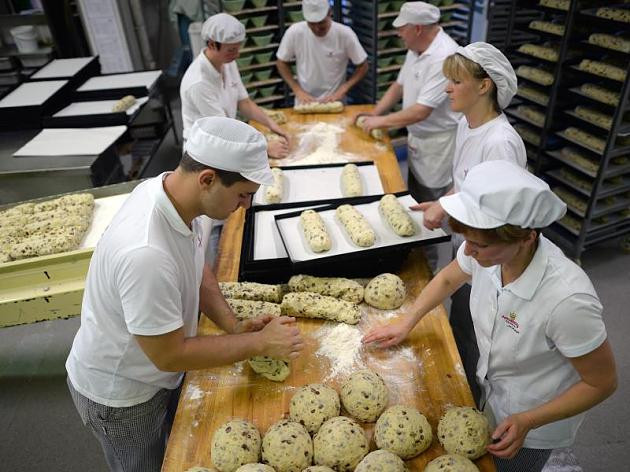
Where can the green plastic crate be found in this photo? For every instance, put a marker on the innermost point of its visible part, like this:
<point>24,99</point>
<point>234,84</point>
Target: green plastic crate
<point>259,21</point>
<point>263,74</point>
<point>266,91</point>
<point>264,57</point>
<point>233,5</point>
<point>244,61</point>
<point>262,39</point>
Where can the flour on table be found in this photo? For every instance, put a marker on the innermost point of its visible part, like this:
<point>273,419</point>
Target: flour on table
<point>341,344</point>
<point>319,144</point>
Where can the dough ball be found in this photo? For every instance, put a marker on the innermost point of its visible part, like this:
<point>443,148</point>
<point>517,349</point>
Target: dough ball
<point>270,368</point>
<point>385,291</point>
<point>364,395</point>
<point>318,468</point>
<point>464,430</point>
<point>381,461</point>
<point>287,447</point>
<point>404,431</point>
<point>198,469</point>
<point>340,444</point>
<point>255,468</point>
<point>235,443</point>
<point>451,463</point>
<point>312,405</point>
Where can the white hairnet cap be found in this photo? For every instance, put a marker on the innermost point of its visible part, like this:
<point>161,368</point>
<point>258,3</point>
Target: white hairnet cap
<point>223,28</point>
<point>315,11</point>
<point>496,66</point>
<point>228,144</point>
<point>417,13</point>
<point>495,193</point>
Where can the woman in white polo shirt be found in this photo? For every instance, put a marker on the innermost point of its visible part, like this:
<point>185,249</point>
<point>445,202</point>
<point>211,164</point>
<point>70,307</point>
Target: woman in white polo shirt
<point>544,355</point>
<point>212,85</point>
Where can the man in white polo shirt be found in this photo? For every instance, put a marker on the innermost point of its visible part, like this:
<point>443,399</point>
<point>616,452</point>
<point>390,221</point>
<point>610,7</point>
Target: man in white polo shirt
<point>146,284</point>
<point>321,49</point>
<point>212,85</point>
<point>426,113</point>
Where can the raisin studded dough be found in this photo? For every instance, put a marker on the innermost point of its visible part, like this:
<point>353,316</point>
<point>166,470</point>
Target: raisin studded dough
<point>549,27</point>
<point>270,368</point>
<point>586,138</point>
<point>255,468</point>
<point>273,193</point>
<point>528,134</point>
<point>618,14</point>
<point>287,447</point>
<point>317,107</point>
<point>594,116</point>
<point>451,463</point>
<point>124,104</point>
<point>198,469</point>
<point>609,41</point>
<point>351,185</point>
<point>337,431</point>
<point>404,431</point>
<point>396,216</point>
<point>318,468</point>
<point>559,4</point>
<point>314,305</point>
<point>381,460</point>
<point>315,231</point>
<point>534,74</point>
<point>600,94</point>
<point>355,224</point>
<point>252,291</point>
<point>364,395</point>
<point>532,113</point>
<point>602,69</point>
<point>312,405</point>
<point>234,444</point>
<point>337,287</point>
<point>464,431</point>
<point>248,309</point>
<point>542,52</point>
<point>533,94</point>
<point>276,115</point>
<point>376,133</point>
<point>385,291</point>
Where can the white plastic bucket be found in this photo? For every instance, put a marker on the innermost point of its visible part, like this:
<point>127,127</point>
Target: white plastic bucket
<point>25,38</point>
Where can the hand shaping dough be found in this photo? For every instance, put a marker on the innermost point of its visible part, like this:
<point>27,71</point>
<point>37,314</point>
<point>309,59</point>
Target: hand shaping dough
<point>255,468</point>
<point>315,231</point>
<point>287,447</point>
<point>234,444</point>
<point>273,193</point>
<point>357,227</point>
<point>252,291</point>
<point>381,460</point>
<point>375,133</point>
<point>337,287</point>
<point>317,107</point>
<point>336,432</point>
<point>312,405</point>
<point>404,431</point>
<point>270,368</point>
<point>364,395</point>
<point>385,291</point>
<point>314,305</point>
<point>351,185</point>
<point>464,431</point>
<point>451,463</point>
<point>248,309</point>
<point>124,104</point>
<point>396,216</point>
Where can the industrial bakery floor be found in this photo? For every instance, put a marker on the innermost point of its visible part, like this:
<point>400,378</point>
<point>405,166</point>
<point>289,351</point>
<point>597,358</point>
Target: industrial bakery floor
<point>41,431</point>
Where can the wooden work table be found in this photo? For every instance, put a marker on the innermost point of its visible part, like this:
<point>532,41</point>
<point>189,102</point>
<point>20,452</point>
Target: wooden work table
<point>425,371</point>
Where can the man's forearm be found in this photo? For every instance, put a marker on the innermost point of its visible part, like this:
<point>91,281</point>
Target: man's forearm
<point>285,72</point>
<point>357,75</point>
<point>407,116</point>
<point>391,97</point>
<point>251,111</point>
<point>213,304</point>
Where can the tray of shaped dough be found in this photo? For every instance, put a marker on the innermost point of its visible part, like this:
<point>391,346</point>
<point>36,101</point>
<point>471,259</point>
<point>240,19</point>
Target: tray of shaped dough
<point>619,13</point>
<point>115,86</point>
<point>320,183</point>
<point>96,113</point>
<point>363,226</point>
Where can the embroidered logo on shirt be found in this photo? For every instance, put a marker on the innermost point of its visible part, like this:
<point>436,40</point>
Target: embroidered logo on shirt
<point>510,321</point>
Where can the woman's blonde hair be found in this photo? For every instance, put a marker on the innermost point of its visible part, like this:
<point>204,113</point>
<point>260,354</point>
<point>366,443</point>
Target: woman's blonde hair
<point>458,67</point>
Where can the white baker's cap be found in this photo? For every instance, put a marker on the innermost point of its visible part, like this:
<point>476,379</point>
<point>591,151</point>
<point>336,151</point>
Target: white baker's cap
<point>417,13</point>
<point>496,66</point>
<point>495,193</point>
<point>228,144</point>
<point>315,11</point>
<point>223,28</point>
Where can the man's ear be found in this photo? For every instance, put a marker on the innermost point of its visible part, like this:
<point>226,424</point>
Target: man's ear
<point>206,178</point>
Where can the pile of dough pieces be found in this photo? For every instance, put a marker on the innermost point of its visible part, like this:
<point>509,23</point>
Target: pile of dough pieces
<point>306,296</point>
<point>49,227</point>
<point>355,224</point>
<point>315,430</point>
<point>319,107</point>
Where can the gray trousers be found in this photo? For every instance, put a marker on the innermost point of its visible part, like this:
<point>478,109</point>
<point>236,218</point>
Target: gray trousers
<point>133,438</point>
<point>526,460</point>
<point>421,193</point>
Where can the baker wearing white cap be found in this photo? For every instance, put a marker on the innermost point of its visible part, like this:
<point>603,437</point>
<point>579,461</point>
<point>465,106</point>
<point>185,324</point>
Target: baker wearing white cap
<point>146,284</point>
<point>430,122</point>
<point>321,49</point>
<point>212,84</point>
<point>545,358</point>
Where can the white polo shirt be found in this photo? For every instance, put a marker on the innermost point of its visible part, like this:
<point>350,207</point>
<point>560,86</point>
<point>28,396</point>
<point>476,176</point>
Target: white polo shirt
<point>144,279</point>
<point>204,91</point>
<point>527,330</point>
<point>423,82</point>
<point>321,62</point>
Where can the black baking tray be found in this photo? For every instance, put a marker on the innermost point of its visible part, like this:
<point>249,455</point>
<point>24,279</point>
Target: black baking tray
<point>116,93</point>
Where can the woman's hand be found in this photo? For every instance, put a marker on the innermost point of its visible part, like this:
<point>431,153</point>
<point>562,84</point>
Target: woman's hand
<point>389,335</point>
<point>509,436</point>
<point>433,214</point>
